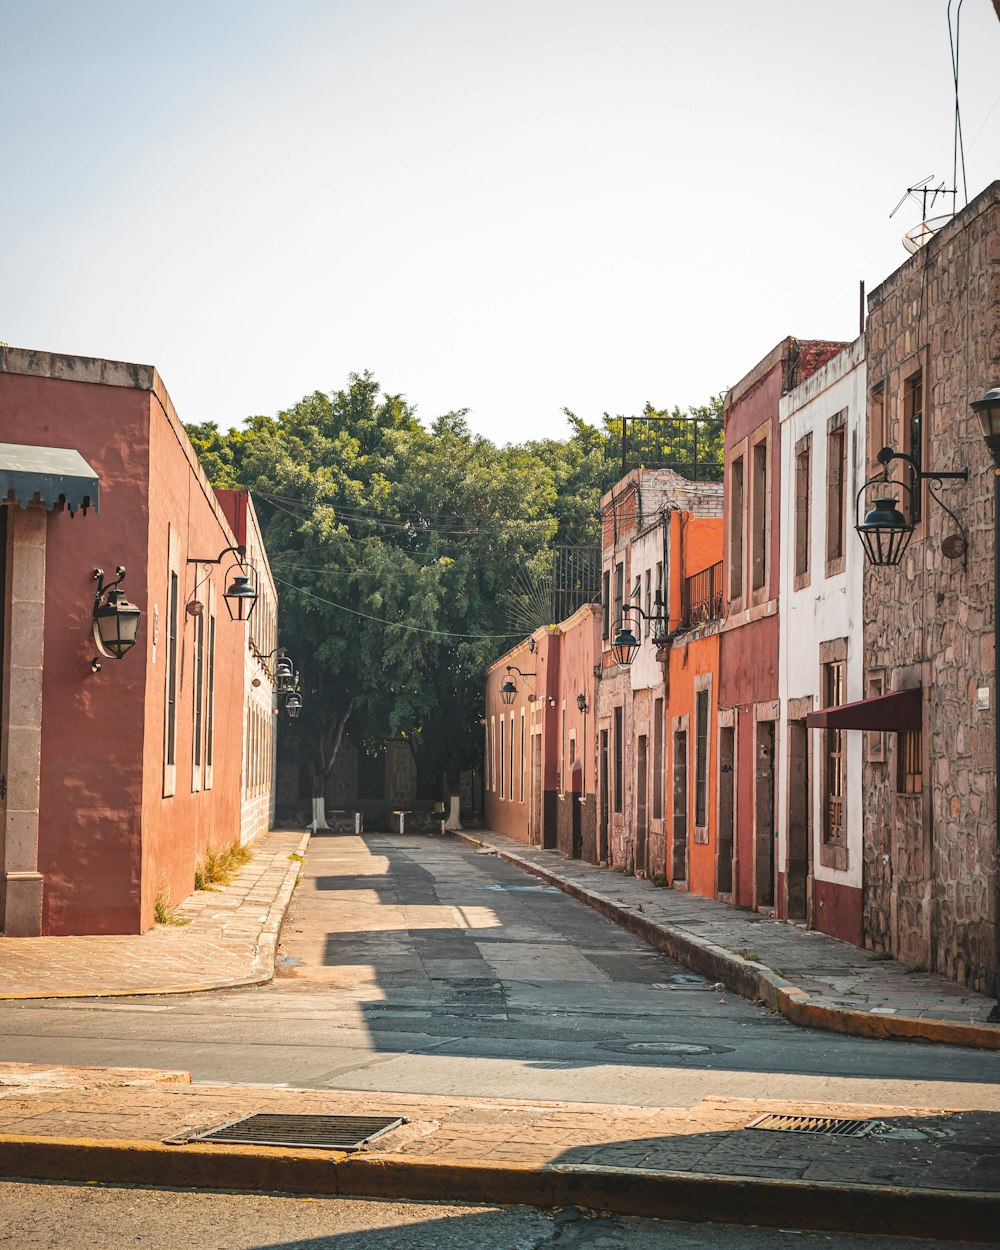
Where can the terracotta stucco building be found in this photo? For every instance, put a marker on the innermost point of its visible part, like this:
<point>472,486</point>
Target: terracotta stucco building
<point>121,773</point>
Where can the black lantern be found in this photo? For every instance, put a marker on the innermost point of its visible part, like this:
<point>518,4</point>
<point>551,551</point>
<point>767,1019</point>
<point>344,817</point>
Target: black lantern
<point>284,673</point>
<point>116,621</point>
<point>625,645</point>
<point>240,597</point>
<point>885,532</point>
<point>293,704</point>
<point>508,691</point>
<point>581,702</point>
<point>987,410</point>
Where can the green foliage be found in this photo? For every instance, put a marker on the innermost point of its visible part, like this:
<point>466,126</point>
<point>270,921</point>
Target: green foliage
<point>164,912</point>
<point>221,866</point>
<point>395,547</point>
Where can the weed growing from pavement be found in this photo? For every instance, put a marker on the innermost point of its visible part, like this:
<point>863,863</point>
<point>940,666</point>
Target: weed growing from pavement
<point>746,953</point>
<point>220,867</point>
<point>660,878</point>
<point>295,856</point>
<point>164,913</point>
<point>880,957</point>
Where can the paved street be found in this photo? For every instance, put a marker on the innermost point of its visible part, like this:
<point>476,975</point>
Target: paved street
<point>65,1217</point>
<point>415,964</point>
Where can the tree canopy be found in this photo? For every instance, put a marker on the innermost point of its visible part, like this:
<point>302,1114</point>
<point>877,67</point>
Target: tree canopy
<point>397,547</point>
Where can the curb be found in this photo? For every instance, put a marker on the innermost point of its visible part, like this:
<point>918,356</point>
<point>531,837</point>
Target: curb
<point>261,970</point>
<point>815,1206</point>
<point>756,981</point>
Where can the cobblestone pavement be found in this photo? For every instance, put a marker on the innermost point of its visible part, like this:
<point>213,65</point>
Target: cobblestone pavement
<point>835,975</point>
<point>915,1148</point>
<point>226,937</point>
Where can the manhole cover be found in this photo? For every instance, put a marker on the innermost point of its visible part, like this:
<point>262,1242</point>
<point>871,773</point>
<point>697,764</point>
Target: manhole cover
<point>669,1048</point>
<point>823,1125</point>
<point>324,1132</point>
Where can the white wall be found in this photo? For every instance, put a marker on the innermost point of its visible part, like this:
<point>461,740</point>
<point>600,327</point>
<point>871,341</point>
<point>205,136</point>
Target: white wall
<point>647,551</point>
<point>829,607</point>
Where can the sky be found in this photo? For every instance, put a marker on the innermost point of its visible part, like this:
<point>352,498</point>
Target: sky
<point>509,206</point>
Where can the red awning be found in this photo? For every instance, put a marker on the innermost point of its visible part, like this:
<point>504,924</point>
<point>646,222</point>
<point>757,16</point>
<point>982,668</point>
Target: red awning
<point>898,711</point>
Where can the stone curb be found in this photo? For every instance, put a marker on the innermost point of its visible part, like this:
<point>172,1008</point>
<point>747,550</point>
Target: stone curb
<point>817,1206</point>
<point>756,981</point>
<point>261,970</point>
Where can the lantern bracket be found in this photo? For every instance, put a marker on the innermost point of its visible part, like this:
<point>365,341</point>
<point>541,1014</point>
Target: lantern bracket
<point>107,595</point>
<point>959,544</point>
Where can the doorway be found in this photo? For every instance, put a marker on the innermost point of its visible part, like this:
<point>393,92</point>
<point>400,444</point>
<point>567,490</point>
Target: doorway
<point>798,867</point>
<point>764,831</point>
<point>680,844</point>
<point>641,768</point>
<point>727,809</point>
<point>535,805</point>
<point>602,831</point>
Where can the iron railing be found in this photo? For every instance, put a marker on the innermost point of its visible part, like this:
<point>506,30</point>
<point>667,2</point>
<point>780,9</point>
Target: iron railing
<point>702,597</point>
<point>576,579</point>
<point>691,446</point>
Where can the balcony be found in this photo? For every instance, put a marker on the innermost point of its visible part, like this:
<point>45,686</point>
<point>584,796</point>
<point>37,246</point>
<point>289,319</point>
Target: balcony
<point>701,600</point>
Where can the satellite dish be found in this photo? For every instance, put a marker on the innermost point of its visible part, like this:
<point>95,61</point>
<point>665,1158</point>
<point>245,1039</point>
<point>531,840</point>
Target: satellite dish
<point>920,235</point>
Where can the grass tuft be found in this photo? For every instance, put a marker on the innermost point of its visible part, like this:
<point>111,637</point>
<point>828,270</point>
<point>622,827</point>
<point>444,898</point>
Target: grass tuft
<point>746,953</point>
<point>220,867</point>
<point>165,914</point>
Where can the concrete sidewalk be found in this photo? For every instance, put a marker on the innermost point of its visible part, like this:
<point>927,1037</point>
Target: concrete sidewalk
<point>812,979</point>
<point>925,1172</point>
<point>227,937</point>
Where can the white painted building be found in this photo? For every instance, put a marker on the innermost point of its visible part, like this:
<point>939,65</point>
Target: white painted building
<point>821,664</point>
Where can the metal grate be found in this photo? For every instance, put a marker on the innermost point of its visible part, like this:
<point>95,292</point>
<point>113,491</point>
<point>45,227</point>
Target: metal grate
<point>324,1132</point>
<point>821,1125</point>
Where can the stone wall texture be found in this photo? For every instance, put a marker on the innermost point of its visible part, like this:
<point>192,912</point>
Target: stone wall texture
<point>931,858</point>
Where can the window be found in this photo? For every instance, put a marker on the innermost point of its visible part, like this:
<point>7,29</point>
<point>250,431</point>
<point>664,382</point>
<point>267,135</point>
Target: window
<point>877,438</point>
<point>606,624</point>
<point>836,496</point>
<point>619,594</point>
<point>913,430</point>
<point>619,749</point>
<point>658,599</point>
<point>758,552</point>
<point>522,756</point>
<point>658,759</point>
<point>834,756</point>
<point>876,737</point>
<point>649,602</point>
<point>198,691</point>
<point>510,761</point>
<point>563,779</point>
<point>701,760</point>
<point>210,705</point>
<point>736,507</point>
<point>503,792</point>
<point>803,470</point>
<point>492,753</point>
<point>170,710</point>
<point>909,766</point>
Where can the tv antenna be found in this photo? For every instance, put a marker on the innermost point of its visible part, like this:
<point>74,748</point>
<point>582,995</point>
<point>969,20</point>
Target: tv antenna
<point>922,192</point>
<point>926,196</point>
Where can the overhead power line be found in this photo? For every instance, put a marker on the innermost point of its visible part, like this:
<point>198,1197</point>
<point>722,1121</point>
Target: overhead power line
<point>419,629</point>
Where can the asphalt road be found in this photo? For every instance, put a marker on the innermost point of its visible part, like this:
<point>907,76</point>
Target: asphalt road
<point>418,964</point>
<point>67,1217</point>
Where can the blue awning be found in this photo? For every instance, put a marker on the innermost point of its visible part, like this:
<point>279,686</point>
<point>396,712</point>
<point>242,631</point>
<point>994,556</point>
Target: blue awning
<point>54,476</point>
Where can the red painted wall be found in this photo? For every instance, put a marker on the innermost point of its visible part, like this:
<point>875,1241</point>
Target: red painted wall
<point>108,841</point>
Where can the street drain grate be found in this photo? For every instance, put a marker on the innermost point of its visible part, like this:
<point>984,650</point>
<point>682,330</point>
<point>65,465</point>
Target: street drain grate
<point>323,1132</point>
<point>820,1125</point>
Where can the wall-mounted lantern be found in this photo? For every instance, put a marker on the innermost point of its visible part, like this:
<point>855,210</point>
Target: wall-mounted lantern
<point>293,704</point>
<point>115,620</point>
<point>987,410</point>
<point>581,702</point>
<point>886,530</point>
<point>240,594</point>
<point>508,691</point>
<point>625,646</point>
